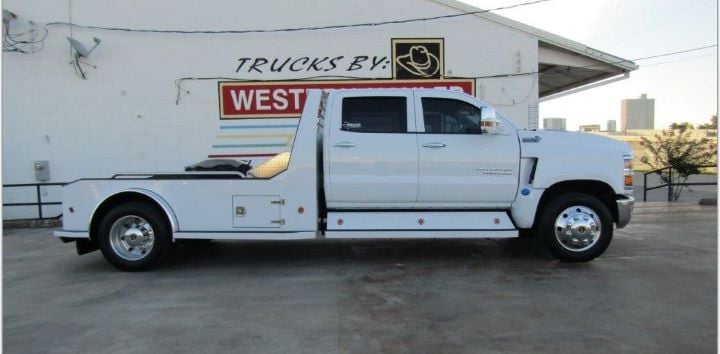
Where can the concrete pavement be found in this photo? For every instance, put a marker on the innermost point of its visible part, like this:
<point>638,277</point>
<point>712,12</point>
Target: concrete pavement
<point>654,290</point>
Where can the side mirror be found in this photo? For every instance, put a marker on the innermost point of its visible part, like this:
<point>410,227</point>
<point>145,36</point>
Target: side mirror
<point>489,122</point>
<point>491,126</point>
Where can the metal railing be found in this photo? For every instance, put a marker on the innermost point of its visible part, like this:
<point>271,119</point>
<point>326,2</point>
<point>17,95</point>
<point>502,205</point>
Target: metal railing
<point>670,183</point>
<point>38,195</point>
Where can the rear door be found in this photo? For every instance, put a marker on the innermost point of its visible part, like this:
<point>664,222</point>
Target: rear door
<point>372,157</point>
<point>459,164</point>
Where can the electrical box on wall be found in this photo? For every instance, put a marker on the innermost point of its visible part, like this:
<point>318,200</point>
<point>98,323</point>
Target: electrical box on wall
<point>42,171</point>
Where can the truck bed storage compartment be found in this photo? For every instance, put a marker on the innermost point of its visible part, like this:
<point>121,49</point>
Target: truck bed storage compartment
<point>257,211</point>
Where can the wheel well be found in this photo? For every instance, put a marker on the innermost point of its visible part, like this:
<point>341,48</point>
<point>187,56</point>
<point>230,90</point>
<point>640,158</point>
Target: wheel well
<point>117,199</point>
<point>600,190</point>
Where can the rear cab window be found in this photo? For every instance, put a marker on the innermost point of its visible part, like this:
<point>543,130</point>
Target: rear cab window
<point>381,114</point>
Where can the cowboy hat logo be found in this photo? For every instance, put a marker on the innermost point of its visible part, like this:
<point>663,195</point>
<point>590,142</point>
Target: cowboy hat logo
<point>419,62</point>
<point>417,58</point>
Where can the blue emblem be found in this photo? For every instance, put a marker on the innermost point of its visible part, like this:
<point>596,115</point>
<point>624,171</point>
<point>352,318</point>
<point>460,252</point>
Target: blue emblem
<point>525,191</point>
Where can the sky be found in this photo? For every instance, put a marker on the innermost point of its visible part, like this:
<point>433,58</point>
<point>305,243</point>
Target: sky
<point>684,90</point>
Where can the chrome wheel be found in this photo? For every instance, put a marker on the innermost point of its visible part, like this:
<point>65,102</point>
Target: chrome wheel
<point>578,228</point>
<point>131,237</point>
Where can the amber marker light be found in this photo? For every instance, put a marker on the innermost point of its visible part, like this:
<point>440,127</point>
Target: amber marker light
<point>628,173</point>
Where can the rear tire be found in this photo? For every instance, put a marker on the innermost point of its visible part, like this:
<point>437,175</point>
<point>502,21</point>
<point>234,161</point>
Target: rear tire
<point>134,237</point>
<point>576,227</point>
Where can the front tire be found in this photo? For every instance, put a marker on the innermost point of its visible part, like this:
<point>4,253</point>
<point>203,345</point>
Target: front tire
<point>134,237</point>
<point>576,227</point>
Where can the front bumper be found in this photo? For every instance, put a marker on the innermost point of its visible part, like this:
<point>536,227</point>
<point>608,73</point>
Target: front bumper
<point>624,208</point>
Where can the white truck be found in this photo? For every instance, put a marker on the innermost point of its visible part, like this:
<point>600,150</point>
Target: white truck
<point>373,163</point>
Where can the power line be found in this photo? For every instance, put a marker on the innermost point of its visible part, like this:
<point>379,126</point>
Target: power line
<point>296,29</point>
<point>678,52</point>
<point>679,60</point>
<point>600,65</point>
<point>650,57</point>
<point>11,44</point>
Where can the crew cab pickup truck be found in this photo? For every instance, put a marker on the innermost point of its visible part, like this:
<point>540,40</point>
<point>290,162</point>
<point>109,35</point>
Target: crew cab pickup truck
<point>373,163</point>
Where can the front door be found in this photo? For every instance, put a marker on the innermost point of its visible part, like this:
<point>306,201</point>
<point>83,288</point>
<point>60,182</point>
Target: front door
<point>460,164</point>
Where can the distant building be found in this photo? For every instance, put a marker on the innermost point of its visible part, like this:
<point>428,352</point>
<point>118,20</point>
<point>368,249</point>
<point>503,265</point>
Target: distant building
<point>554,124</point>
<point>590,128</point>
<point>637,113</point>
<point>612,125</point>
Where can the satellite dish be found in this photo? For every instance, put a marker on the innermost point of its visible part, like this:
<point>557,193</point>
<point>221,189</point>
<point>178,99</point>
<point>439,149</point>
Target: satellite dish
<point>82,52</point>
<point>80,49</point>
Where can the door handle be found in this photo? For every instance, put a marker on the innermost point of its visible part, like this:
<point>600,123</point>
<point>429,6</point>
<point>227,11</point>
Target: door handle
<point>434,145</point>
<point>344,144</point>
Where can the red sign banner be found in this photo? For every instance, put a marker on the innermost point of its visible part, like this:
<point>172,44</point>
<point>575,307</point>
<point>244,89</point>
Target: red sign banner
<point>281,99</point>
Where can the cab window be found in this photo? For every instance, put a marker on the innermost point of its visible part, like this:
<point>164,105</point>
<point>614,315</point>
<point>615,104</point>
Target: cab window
<point>374,114</point>
<point>448,116</point>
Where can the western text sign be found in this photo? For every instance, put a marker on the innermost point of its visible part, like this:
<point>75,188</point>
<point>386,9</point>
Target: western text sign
<point>240,100</point>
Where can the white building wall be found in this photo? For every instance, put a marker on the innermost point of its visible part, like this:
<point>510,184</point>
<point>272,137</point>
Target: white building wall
<point>124,117</point>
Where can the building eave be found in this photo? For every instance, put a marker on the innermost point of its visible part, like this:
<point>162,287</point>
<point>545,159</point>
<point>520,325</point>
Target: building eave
<point>604,65</point>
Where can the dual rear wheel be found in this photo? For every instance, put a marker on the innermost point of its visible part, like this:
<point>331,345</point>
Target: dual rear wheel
<point>134,236</point>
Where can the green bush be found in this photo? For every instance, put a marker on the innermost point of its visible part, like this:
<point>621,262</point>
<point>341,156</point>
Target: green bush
<point>679,150</point>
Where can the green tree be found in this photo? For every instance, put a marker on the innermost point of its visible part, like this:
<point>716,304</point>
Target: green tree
<point>712,125</point>
<point>680,150</point>
<point>681,126</point>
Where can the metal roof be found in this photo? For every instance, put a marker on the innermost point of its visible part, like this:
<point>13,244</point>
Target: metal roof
<point>563,64</point>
